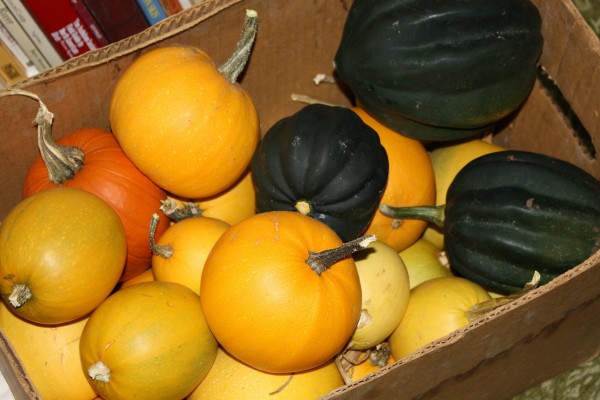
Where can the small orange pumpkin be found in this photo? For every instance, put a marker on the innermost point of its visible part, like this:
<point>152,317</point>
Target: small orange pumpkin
<point>180,253</point>
<point>273,299</point>
<point>184,122</point>
<point>411,182</point>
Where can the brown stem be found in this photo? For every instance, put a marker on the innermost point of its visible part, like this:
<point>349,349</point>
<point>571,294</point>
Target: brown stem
<point>234,66</point>
<point>165,251</point>
<point>62,162</point>
<point>177,211</point>
<point>322,260</point>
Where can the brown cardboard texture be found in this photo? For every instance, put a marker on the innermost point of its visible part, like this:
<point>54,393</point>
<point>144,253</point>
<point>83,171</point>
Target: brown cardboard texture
<point>548,331</point>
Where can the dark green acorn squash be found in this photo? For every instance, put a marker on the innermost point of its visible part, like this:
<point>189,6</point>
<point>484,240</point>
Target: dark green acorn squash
<point>511,213</point>
<point>440,70</point>
<point>325,162</point>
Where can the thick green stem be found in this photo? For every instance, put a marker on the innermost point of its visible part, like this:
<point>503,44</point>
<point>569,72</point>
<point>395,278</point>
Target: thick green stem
<point>164,251</point>
<point>233,67</point>
<point>323,260</point>
<point>62,162</point>
<point>433,214</point>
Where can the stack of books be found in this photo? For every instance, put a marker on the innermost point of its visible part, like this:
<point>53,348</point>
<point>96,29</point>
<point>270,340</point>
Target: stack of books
<point>36,35</point>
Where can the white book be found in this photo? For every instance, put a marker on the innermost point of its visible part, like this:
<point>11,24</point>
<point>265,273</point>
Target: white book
<point>15,49</point>
<point>185,4</point>
<point>36,34</point>
<point>22,38</point>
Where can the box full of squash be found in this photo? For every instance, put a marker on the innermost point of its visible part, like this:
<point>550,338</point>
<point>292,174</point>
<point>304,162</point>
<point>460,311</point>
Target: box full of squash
<point>521,75</point>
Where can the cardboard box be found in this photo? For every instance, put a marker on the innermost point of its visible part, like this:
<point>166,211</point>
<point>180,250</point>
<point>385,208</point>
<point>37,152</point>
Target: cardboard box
<point>548,331</point>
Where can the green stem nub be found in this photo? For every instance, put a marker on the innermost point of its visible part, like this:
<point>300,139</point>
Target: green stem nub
<point>233,67</point>
<point>433,214</point>
<point>323,260</point>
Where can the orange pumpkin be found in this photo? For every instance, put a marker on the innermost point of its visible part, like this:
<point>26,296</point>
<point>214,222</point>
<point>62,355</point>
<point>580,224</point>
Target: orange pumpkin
<point>62,251</point>
<point>147,341</point>
<point>269,293</point>
<point>184,122</point>
<point>230,379</point>
<point>108,173</point>
<point>411,182</point>
<point>49,356</point>
<point>180,253</point>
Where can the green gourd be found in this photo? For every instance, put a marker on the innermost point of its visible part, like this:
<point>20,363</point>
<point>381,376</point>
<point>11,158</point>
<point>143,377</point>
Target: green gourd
<point>510,213</point>
<point>440,70</point>
<point>324,162</point>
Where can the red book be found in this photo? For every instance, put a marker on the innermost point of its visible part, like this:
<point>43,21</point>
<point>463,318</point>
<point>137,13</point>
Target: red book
<point>63,25</point>
<point>89,20</point>
<point>118,19</point>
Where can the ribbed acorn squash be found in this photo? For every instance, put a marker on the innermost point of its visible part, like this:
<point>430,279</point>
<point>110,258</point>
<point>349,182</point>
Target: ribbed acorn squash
<point>440,69</point>
<point>324,162</point>
<point>510,213</point>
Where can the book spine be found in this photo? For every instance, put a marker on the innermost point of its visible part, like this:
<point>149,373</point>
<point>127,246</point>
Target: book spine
<point>64,26</point>
<point>34,31</point>
<point>22,38</point>
<point>171,6</point>
<point>11,70</point>
<point>118,19</point>
<point>15,49</point>
<point>185,4</point>
<point>153,10</point>
<point>89,20</point>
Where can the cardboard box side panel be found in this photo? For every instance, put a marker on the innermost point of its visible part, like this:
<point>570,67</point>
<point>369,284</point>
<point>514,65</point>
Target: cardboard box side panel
<point>16,377</point>
<point>571,57</point>
<point>509,351</point>
<point>540,126</point>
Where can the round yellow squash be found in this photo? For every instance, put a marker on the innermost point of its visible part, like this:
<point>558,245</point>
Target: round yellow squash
<point>230,379</point>
<point>183,121</point>
<point>62,251</point>
<point>147,341</point>
<point>436,308</point>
